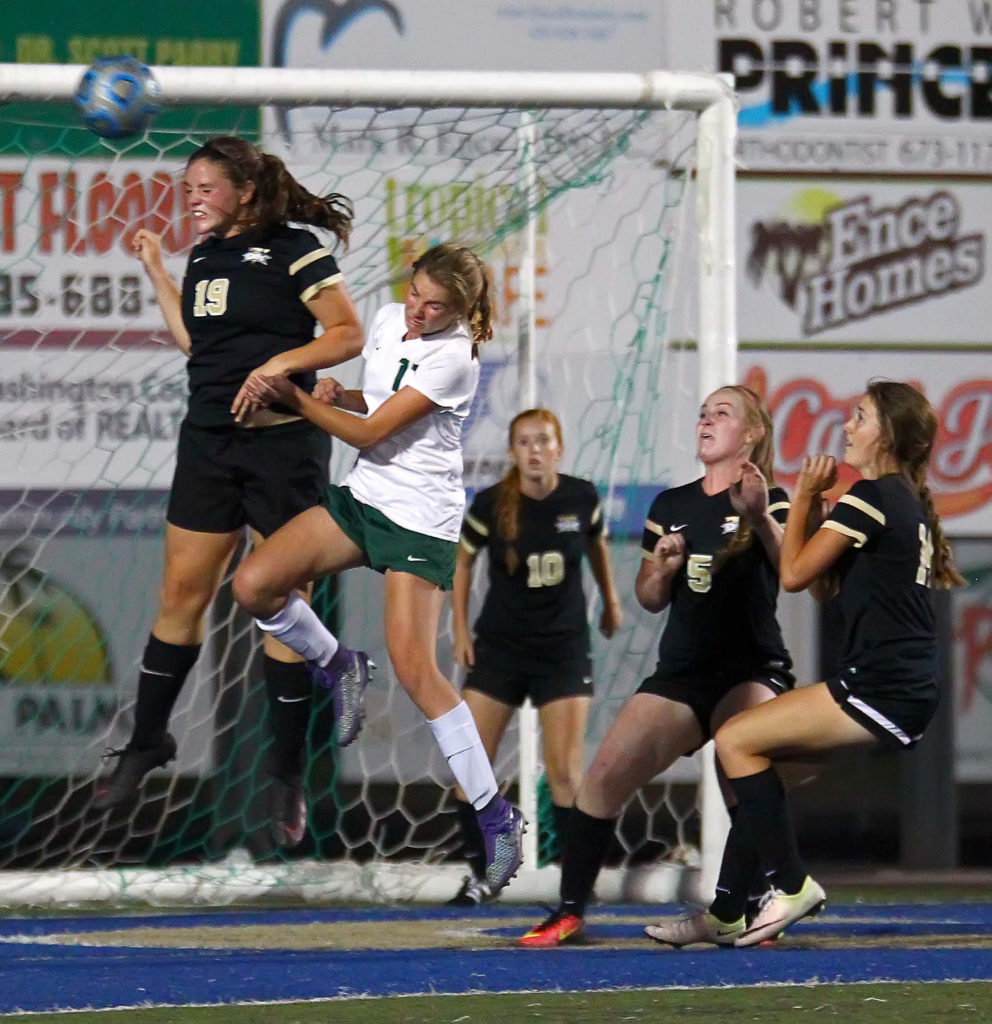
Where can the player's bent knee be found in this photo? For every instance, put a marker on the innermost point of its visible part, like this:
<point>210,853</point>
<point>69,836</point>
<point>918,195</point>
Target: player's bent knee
<point>248,587</point>
<point>727,742</point>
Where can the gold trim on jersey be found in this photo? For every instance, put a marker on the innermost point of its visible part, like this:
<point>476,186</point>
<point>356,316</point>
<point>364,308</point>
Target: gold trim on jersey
<point>649,555</point>
<point>859,538</point>
<point>261,418</point>
<point>477,524</point>
<point>654,528</point>
<point>596,516</point>
<point>309,293</point>
<point>470,548</point>
<point>305,261</point>
<point>779,505</point>
<point>862,506</point>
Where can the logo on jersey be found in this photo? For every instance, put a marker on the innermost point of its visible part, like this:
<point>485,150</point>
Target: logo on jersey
<point>730,524</point>
<point>568,523</point>
<point>257,255</point>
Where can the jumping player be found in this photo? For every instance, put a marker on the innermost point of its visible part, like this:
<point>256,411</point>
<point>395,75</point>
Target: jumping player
<point>532,634</point>
<point>398,511</point>
<point>253,292</point>
<point>884,541</point>
<point>710,554</point>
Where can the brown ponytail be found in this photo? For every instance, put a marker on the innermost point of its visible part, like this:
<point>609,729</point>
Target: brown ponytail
<point>462,274</point>
<point>277,196</point>
<point>507,510</point>
<point>908,430</point>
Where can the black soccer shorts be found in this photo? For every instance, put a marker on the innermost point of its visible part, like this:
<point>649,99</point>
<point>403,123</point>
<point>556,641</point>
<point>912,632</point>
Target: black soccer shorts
<point>229,477</point>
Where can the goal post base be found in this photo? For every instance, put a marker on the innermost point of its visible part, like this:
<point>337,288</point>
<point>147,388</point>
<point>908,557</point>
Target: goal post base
<point>237,881</point>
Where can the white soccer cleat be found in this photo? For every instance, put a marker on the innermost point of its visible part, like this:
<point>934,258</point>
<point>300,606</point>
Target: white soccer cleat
<point>701,927</point>
<point>783,910</point>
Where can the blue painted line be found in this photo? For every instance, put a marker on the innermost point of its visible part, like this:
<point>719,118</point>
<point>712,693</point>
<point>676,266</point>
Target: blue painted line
<point>43,978</point>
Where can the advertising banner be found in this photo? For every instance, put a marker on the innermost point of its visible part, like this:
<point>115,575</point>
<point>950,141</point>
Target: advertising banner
<point>845,261</point>
<point>972,619</point>
<point>861,86</point>
<point>810,404</point>
<point>518,35</point>
<point>66,32</point>
<point>75,608</point>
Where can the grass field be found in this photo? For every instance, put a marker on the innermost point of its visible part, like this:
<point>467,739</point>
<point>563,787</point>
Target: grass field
<point>913,1004</point>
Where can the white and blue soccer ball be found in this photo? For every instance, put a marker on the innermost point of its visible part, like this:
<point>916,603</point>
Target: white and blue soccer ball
<point>117,97</point>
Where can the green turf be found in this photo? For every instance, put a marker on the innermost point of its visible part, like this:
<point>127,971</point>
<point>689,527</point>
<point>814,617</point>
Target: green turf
<point>915,1004</point>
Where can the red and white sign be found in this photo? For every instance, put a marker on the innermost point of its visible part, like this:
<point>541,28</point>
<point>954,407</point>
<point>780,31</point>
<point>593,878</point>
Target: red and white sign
<point>809,409</point>
<point>972,621</point>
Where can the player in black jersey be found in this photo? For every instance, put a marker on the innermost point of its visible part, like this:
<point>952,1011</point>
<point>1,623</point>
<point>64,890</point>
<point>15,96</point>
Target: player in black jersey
<point>884,544</point>
<point>710,553</point>
<point>254,290</point>
<point>532,634</point>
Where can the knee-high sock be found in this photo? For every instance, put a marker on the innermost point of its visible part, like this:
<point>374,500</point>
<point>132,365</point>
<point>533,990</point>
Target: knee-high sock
<point>164,668</point>
<point>560,816</point>
<point>299,627</point>
<point>584,848</point>
<point>763,813</point>
<point>289,688</point>
<point>458,738</point>
<point>738,869</point>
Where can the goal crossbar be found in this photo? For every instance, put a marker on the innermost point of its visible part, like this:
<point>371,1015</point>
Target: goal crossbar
<point>235,86</point>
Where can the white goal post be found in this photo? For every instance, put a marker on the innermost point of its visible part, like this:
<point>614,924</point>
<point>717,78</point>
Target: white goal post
<point>710,100</point>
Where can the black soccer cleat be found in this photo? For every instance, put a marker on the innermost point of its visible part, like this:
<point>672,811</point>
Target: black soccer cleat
<point>473,893</point>
<point>287,811</point>
<point>120,788</point>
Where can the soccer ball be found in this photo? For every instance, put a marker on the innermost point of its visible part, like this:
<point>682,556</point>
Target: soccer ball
<point>117,97</point>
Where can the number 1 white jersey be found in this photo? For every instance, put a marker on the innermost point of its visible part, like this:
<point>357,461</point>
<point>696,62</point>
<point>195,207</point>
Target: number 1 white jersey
<point>414,477</point>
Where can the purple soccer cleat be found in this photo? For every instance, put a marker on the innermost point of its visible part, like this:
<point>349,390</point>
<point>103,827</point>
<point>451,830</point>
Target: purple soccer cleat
<point>347,688</point>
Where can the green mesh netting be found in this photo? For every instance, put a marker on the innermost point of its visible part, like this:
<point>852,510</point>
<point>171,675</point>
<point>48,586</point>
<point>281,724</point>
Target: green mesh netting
<point>91,396</point>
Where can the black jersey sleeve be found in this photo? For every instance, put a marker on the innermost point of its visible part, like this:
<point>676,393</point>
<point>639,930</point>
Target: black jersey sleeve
<point>476,525</point>
<point>859,514</point>
<point>652,526</point>
<point>312,265</point>
<point>597,524</point>
<point>778,504</point>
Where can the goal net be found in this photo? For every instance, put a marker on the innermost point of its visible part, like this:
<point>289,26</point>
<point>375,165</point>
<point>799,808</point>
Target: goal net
<point>603,205</point>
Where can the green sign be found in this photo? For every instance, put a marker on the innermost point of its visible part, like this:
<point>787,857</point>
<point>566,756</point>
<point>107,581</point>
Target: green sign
<point>183,32</point>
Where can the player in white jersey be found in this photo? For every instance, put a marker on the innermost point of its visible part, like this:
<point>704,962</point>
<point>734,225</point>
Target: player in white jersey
<point>398,511</point>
